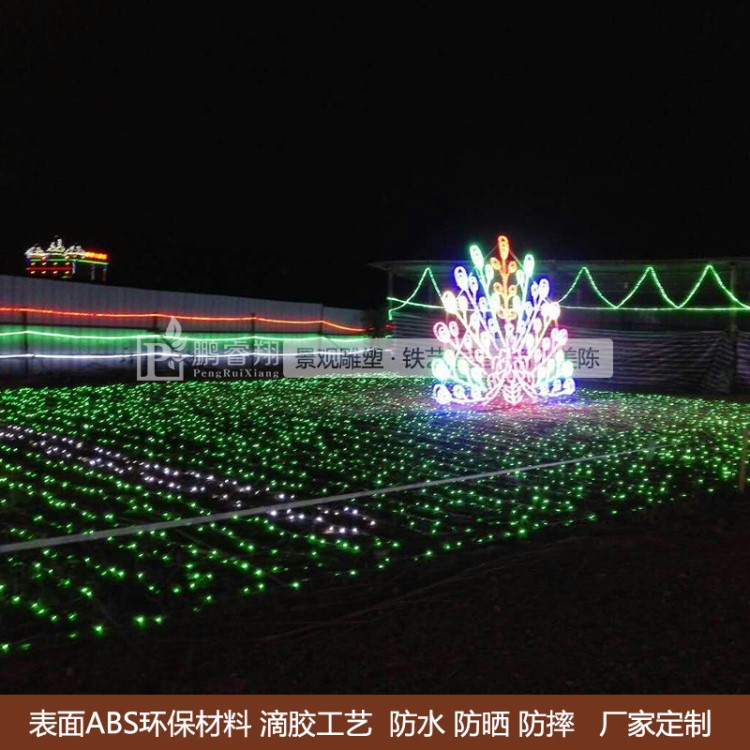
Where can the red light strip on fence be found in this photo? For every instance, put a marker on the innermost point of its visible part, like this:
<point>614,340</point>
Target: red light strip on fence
<point>177,316</point>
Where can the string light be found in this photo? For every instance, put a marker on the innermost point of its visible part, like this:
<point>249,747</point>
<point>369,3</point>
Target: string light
<point>650,272</point>
<point>91,340</point>
<point>179,316</point>
<point>92,457</point>
<point>57,334</point>
<point>670,305</point>
<point>426,274</point>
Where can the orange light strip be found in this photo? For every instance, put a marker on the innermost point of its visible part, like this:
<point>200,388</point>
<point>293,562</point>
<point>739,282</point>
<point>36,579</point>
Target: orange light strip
<point>177,316</point>
<point>35,268</point>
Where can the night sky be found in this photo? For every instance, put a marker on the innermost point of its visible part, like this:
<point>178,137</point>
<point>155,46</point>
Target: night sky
<point>276,155</point>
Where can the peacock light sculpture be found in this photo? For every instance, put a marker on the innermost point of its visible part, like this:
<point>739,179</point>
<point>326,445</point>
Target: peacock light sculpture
<point>501,342</point>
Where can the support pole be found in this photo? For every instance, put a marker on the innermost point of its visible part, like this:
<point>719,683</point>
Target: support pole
<point>733,289</point>
<point>25,324</point>
<point>253,340</point>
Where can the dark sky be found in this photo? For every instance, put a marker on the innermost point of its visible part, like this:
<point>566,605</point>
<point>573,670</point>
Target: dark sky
<point>275,155</point>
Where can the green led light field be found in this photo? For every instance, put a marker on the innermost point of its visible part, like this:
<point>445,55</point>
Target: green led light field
<point>76,460</point>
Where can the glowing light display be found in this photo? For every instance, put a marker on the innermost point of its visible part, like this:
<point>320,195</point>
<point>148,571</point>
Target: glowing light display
<point>53,333</point>
<point>669,303</point>
<point>61,262</point>
<point>93,256</point>
<point>315,322</point>
<point>709,273</point>
<point>88,458</point>
<point>92,341</point>
<point>503,342</point>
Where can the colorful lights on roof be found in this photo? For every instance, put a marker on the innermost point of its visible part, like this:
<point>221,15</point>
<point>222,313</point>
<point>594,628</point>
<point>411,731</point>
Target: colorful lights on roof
<point>61,262</point>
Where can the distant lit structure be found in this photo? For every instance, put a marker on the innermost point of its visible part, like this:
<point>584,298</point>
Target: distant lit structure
<point>60,262</point>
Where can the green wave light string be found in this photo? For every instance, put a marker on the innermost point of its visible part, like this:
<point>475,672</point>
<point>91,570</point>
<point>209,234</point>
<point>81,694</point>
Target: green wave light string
<point>608,305</point>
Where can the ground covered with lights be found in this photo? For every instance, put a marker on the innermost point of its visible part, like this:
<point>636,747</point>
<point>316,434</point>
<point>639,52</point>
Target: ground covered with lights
<point>509,568</point>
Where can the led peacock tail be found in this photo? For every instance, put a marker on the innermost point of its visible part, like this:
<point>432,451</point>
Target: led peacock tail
<point>502,342</point>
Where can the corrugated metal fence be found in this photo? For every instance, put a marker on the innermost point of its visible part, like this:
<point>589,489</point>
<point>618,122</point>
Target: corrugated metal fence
<point>662,360</point>
<point>38,339</point>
